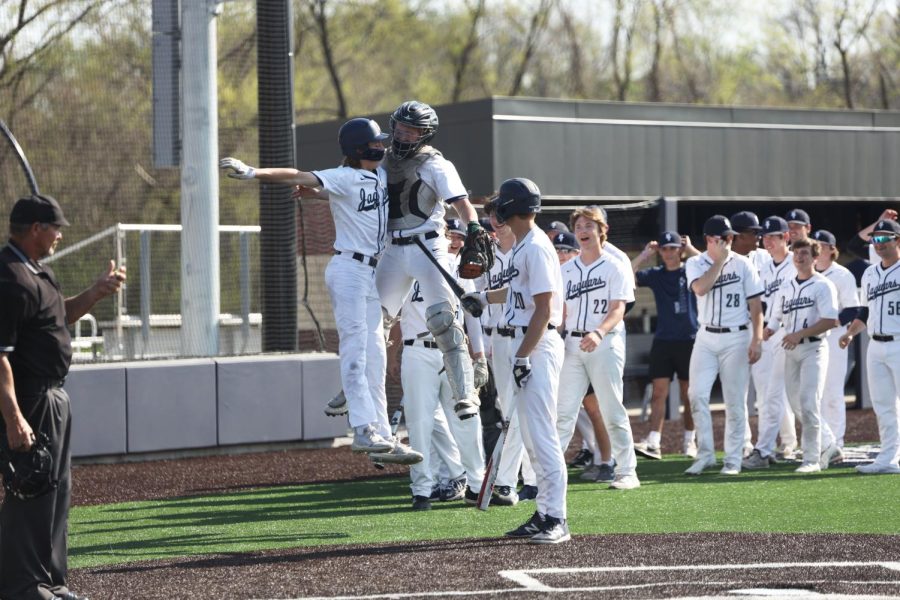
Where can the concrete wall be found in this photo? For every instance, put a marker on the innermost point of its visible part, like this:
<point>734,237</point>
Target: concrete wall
<point>136,407</point>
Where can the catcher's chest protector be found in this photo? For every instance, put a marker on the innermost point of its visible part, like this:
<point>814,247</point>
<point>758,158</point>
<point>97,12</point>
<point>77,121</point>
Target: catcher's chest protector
<point>410,201</point>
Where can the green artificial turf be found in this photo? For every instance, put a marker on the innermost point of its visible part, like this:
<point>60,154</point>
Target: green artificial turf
<point>377,512</point>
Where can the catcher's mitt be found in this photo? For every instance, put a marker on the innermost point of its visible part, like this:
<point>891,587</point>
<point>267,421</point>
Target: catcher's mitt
<point>27,475</point>
<point>477,254</point>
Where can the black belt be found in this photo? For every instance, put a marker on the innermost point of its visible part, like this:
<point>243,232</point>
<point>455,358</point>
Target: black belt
<point>487,330</point>
<point>579,333</point>
<point>426,343</point>
<point>524,328</point>
<point>811,338</point>
<point>883,338</point>
<point>725,329</point>
<point>37,385</point>
<point>406,241</point>
<point>506,331</point>
<point>366,260</point>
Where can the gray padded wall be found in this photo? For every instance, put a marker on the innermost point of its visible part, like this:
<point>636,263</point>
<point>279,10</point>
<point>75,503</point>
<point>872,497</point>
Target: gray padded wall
<point>321,381</point>
<point>171,405</point>
<point>260,399</point>
<point>97,393</point>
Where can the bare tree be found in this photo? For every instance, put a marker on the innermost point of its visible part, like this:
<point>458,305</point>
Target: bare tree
<point>845,40</point>
<point>576,56</point>
<point>460,62</point>
<point>654,93</point>
<point>690,78</point>
<point>621,45</point>
<point>538,23</point>
<point>317,9</point>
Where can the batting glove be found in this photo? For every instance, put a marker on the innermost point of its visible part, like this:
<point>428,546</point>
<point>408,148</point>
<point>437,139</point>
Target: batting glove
<point>521,370</point>
<point>481,371</point>
<point>474,299</point>
<point>240,170</point>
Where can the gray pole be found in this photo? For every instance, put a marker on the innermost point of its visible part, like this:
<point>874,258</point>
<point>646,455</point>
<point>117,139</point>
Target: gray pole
<point>199,181</point>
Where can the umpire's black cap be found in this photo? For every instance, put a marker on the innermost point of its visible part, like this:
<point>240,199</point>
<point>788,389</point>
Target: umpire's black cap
<point>718,225</point>
<point>37,208</point>
<point>745,220</point>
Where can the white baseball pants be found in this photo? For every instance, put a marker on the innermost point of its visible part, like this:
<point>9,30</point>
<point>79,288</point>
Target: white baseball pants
<point>834,407</point>
<point>603,368</point>
<point>723,355</point>
<point>514,455</point>
<point>771,395</point>
<point>357,316</point>
<point>804,378</point>
<point>883,368</point>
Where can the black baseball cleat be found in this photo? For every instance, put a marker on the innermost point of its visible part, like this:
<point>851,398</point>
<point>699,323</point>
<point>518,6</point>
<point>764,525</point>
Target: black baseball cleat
<point>553,531</point>
<point>504,495</point>
<point>471,497</point>
<point>528,492</point>
<point>421,503</point>
<point>582,459</point>
<point>530,528</point>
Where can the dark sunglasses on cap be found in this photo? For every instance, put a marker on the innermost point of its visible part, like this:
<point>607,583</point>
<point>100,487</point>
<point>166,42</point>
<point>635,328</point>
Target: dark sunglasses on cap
<point>883,239</point>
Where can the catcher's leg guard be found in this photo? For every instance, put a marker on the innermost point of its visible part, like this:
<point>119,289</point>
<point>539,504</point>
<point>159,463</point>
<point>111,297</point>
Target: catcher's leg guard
<point>451,341</point>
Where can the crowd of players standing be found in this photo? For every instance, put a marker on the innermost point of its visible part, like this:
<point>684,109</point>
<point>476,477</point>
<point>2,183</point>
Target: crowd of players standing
<point>553,310</point>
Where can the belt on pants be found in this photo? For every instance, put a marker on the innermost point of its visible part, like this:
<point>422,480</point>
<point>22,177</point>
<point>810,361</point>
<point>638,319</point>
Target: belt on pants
<point>366,260</point>
<point>811,338</point>
<point>724,329</point>
<point>406,241</point>
<point>883,338</point>
<point>487,330</point>
<point>524,328</point>
<point>37,385</point>
<point>506,331</point>
<point>426,343</point>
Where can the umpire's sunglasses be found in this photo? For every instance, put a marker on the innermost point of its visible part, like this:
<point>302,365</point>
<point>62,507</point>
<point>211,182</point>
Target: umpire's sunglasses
<point>883,239</point>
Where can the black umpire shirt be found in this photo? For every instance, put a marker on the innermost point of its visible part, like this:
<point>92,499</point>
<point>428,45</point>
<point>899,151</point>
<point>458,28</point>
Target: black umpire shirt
<point>32,318</point>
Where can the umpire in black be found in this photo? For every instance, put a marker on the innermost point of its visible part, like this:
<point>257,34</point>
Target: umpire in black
<point>35,352</point>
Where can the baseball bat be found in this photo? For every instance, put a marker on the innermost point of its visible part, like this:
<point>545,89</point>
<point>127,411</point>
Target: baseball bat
<point>395,421</point>
<point>491,470</point>
<point>472,306</point>
<point>20,156</point>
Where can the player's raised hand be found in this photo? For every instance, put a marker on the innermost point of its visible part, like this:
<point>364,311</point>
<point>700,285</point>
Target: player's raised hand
<point>888,213</point>
<point>237,169</point>
<point>718,250</point>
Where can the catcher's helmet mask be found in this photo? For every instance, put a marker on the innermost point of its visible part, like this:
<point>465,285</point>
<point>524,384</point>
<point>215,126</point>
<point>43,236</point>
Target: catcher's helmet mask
<point>517,196</point>
<point>413,114</point>
<point>355,136</point>
<point>27,475</point>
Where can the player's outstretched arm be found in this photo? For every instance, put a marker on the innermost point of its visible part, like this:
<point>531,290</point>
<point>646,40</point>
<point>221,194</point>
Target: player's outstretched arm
<point>237,169</point>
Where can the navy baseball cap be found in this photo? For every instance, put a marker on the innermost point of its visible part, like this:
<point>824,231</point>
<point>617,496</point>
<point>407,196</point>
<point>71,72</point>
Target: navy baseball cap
<point>773,225</point>
<point>456,226</point>
<point>485,222</point>
<point>557,226</point>
<point>886,226</point>
<point>565,241</point>
<point>797,215</point>
<point>718,225</point>
<point>669,238</point>
<point>37,208</point>
<point>745,220</point>
<point>824,236</point>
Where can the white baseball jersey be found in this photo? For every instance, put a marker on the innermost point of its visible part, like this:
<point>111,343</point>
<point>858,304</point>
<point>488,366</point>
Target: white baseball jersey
<point>441,176</point>
<point>801,304</point>
<point>845,283</point>
<point>881,289</point>
<point>773,276</point>
<point>726,303</point>
<point>759,257</point>
<point>534,270</point>
<point>590,289</point>
<point>412,316</point>
<point>615,252</point>
<point>358,201</point>
<point>499,276</point>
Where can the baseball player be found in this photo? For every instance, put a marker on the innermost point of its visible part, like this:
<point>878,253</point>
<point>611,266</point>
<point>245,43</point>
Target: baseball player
<point>534,312</point>
<point>728,341</point>
<point>833,404</point>
<point>596,289</point>
<point>806,308</point>
<point>357,195</point>
<point>673,341</point>
<point>881,314</point>
<point>799,224</point>
<point>420,180</point>
<point>860,244</point>
<point>768,372</point>
<point>514,456</point>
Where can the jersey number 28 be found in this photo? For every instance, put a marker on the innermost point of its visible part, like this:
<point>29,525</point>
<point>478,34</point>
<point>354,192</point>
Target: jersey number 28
<point>732,300</point>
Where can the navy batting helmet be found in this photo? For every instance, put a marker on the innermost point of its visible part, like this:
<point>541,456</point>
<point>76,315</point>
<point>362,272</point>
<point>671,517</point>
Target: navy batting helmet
<point>355,135</point>
<point>517,196</point>
<point>413,114</point>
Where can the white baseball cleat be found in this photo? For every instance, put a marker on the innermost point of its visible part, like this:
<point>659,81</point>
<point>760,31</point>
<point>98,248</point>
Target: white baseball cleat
<point>400,454</point>
<point>337,406</point>
<point>829,455</point>
<point>877,469</point>
<point>730,469</point>
<point>369,441</point>
<point>690,449</point>
<point>625,482</point>
<point>700,465</point>
<point>809,467</point>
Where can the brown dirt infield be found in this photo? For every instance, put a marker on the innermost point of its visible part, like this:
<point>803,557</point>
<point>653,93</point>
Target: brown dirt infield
<point>456,566</point>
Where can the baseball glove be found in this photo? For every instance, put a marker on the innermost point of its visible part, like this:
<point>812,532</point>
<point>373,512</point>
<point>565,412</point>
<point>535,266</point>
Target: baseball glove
<point>27,475</point>
<point>477,254</point>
